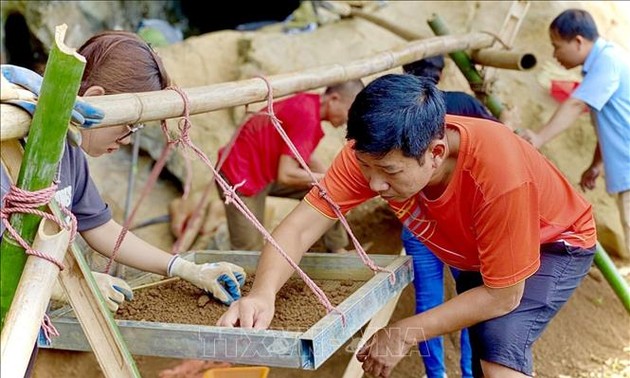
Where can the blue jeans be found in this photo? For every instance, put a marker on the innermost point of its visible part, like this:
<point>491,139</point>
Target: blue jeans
<point>429,285</point>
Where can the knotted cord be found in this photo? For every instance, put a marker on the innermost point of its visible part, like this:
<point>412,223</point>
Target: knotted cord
<point>23,201</point>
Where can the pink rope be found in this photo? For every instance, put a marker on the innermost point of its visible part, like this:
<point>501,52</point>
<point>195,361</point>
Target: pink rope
<point>322,192</point>
<point>49,329</point>
<point>22,201</point>
<point>206,193</point>
<point>152,179</point>
<point>231,197</point>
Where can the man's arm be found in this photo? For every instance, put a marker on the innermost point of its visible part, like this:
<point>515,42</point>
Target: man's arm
<point>290,173</point>
<point>469,308</point>
<point>389,345</point>
<point>295,234</point>
<point>317,166</point>
<point>564,116</point>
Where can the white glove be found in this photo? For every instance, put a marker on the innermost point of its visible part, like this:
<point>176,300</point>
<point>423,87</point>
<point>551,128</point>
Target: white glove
<point>114,290</point>
<point>223,280</point>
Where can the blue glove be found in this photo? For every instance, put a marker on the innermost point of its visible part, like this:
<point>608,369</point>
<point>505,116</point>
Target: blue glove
<point>83,114</point>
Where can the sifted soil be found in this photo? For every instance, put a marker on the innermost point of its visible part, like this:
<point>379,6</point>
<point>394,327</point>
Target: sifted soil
<point>297,308</point>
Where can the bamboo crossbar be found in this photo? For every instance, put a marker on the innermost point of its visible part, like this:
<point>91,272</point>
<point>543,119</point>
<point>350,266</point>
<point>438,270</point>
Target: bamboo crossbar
<point>131,108</point>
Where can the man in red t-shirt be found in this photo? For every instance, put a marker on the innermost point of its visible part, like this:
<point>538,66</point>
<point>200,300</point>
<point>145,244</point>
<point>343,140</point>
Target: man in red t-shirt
<point>481,198</point>
<point>264,164</point>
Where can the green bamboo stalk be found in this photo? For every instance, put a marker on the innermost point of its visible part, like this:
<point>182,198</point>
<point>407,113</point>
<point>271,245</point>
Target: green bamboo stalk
<point>43,152</point>
<point>610,272</point>
<point>466,66</point>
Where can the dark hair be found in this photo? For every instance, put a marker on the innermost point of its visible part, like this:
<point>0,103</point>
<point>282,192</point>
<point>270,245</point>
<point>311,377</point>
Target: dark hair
<point>121,62</point>
<point>397,112</point>
<point>573,22</point>
<point>430,68</point>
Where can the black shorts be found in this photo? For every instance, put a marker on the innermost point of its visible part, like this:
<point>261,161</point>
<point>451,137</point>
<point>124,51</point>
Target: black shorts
<point>508,339</point>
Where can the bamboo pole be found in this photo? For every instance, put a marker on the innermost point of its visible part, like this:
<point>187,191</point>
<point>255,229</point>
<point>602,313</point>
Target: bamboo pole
<point>465,65</point>
<point>490,57</point>
<point>121,109</point>
<point>33,293</point>
<point>44,149</point>
<point>510,60</point>
<point>156,283</point>
<point>610,272</point>
<point>96,320</point>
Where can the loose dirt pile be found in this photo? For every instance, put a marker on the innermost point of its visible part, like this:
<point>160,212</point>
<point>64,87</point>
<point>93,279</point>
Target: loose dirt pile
<point>297,308</point>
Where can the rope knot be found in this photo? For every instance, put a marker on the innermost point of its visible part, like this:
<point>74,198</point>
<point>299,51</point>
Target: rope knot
<point>322,192</point>
<point>48,329</point>
<point>18,200</point>
<point>230,193</point>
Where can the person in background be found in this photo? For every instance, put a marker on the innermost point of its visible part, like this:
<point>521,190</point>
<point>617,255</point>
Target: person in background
<point>457,103</point>
<point>261,160</point>
<point>605,89</point>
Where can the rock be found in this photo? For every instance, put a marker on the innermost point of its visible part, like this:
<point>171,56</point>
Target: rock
<point>203,300</point>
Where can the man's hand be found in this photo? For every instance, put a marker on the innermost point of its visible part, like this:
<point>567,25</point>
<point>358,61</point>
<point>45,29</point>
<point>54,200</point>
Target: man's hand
<point>249,312</point>
<point>383,351</point>
<point>589,177</point>
<point>114,290</point>
<point>223,280</point>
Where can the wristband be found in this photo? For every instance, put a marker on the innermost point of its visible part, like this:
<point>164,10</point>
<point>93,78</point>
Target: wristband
<point>169,267</point>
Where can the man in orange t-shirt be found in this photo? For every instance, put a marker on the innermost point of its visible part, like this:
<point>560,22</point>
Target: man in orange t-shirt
<point>481,198</point>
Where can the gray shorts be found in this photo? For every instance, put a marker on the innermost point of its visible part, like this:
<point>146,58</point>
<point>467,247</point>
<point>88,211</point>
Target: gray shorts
<point>508,339</point>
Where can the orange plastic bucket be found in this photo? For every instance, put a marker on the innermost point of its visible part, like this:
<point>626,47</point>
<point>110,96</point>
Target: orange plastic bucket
<point>238,372</point>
